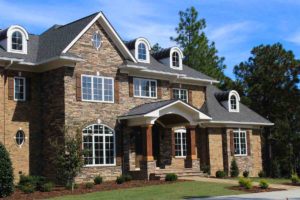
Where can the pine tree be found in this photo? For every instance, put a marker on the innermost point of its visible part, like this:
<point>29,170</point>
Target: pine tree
<point>234,169</point>
<point>6,173</point>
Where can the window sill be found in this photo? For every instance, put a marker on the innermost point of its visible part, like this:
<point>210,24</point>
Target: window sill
<point>141,97</point>
<point>180,157</point>
<point>92,101</point>
<point>240,155</point>
<point>105,165</point>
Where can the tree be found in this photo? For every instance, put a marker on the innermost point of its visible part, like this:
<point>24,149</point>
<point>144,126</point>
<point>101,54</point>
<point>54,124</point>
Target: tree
<point>6,173</point>
<point>234,169</point>
<point>268,81</point>
<point>200,54</point>
<point>156,48</point>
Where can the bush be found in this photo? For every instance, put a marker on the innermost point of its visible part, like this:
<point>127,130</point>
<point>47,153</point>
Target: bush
<point>35,181</point>
<point>246,174</point>
<point>69,186</point>
<point>89,185</point>
<point>234,169</point>
<point>295,178</point>
<point>98,180</point>
<point>261,174</point>
<point>275,169</point>
<point>127,177</point>
<point>47,187</point>
<point>27,188</point>
<point>6,173</point>
<point>205,169</point>
<point>120,180</point>
<point>245,183</point>
<point>263,184</point>
<point>220,174</point>
<point>171,177</point>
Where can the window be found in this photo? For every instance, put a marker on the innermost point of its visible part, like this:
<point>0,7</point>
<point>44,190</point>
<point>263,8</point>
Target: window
<point>180,143</point>
<point>175,59</point>
<point>144,88</point>
<point>233,101</point>
<point>142,52</point>
<point>99,144</point>
<point>180,94</point>
<point>17,41</point>
<point>19,88</point>
<point>96,40</point>
<point>97,88</point>
<point>240,144</point>
<point>20,137</point>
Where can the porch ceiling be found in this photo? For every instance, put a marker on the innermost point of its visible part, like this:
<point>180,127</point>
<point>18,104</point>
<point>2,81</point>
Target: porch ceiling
<point>150,112</point>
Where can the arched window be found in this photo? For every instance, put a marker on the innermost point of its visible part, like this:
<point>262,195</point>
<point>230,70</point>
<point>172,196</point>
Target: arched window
<point>142,52</point>
<point>233,104</point>
<point>175,59</point>
<point>233,101</point>
<point>99,145</point>
<point>17,41</point>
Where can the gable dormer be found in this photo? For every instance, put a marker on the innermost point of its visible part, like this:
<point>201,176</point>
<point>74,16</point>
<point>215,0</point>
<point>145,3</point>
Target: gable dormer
<point>229,99</point>
<point>14,39</point>
<point>141,48</point>
<point>171,57</point>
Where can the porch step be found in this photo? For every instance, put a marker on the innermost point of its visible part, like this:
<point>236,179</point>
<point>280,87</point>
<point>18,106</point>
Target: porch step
<point>160,174</point>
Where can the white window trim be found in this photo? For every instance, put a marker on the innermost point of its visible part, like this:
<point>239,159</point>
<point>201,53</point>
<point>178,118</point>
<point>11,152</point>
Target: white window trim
<point>148,48</point>
<point>25,38</point>
<point>237,97</point>
<point>239,131</point>
<point>140,89</point>
<point>181,142</point>
<point>180,54</point>
<point>24,96</point>
<point>92,76</point>
<point>104,156</point>
<point>180,89</point>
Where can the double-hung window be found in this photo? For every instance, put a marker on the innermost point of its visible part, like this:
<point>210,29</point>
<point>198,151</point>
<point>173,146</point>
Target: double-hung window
<point>180,143</point>
<point>145,88</point>
<point>97,88</point>
<point>19,88</point>
<point>240,142</point>
<point>180,94</point>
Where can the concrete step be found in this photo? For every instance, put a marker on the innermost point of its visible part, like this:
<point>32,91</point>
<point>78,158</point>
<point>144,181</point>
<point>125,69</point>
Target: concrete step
<point>161,173</point>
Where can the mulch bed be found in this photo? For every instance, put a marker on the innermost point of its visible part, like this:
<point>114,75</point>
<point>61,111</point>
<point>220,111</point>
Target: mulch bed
<point>254,189</point>
<point>105,186</point>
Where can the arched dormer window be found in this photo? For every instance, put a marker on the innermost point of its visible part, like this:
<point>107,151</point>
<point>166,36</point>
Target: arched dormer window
<point>234,101</point>
<point>17,38</point>
<point>176,58</point>
<point>142,49</point>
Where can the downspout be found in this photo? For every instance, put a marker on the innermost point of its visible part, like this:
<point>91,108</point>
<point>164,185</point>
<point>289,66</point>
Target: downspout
<point>4,92</point>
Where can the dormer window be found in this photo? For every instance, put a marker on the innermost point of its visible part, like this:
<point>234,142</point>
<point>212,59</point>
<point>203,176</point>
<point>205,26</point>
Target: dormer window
<point>17,38</point>
<point>142,49</point>
<point>233,101</point>
<point>176,58</point>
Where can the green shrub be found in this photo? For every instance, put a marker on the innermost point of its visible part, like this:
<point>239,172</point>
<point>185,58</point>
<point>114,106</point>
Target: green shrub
<point>261,174</point>
<point>47,187</point>
<point>127,177</point>
<point>27,188</point>
<point>246,174</point>
<point>69,186</point>
<point>263,184</point>
<point>205,169</point>
<point>295,178</point>
<point>89,185</point>
<point>171,177</point>
<point>245,183</point>
<point>275,169</point>
<point>120,180</point>
<point>35,181</point>
<point>220,174</point>
<point>6,173</point>
<point>98,180</point>
<point>234,169</point>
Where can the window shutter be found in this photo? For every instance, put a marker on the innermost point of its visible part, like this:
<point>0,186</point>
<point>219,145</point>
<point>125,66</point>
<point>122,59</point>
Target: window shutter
<point>159,94</point>
<point>171,93</point>
<point>116,93</point>
<point>28,89</point>
<point>190,97</point>
<point>78,87</point>
<point>248,143</point>
<point>130,84</point>
<point>10,88</point>
<point>231,143</point>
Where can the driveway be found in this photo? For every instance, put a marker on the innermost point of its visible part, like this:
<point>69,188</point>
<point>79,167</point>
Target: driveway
<point>279,195</point>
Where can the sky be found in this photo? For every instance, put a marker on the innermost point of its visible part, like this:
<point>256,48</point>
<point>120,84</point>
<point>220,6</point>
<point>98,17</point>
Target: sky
<point>236,26</point>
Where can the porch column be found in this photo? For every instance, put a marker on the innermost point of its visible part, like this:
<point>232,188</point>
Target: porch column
<point>191,142</point>
<point>147,143</point>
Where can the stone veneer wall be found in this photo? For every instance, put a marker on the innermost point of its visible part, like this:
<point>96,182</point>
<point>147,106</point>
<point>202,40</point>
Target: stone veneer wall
<point>17,115</point>
<point>215,146</point>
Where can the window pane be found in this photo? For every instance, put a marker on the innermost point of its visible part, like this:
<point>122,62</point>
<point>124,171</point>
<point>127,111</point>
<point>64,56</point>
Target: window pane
<point>153,89</point>
<point>97,88</point>
<point>136,84</point>
<point>86,88</point>
<point>108,90</point>
<point>17,41</point>
<point>144,88</point>
<point>19,88</point>
<point>236,143</point>
<point>142,51</point>
<point>243,142</point>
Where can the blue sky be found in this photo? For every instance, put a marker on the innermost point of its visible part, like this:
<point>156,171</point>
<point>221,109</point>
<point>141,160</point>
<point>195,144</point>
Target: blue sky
<point>235,25</point>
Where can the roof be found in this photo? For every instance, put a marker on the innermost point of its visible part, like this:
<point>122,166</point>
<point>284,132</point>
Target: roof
<point>164,53</point>
<point>219,112</point>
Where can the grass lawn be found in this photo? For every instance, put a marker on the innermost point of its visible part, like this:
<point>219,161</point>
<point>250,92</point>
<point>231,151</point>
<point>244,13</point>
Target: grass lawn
<point>180,190</point>
<point>269,180</point>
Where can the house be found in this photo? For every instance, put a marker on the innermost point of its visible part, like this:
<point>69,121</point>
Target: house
<point>138,112</point>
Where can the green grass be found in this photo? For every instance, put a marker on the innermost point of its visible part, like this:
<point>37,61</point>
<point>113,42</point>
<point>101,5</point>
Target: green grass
<point>269,180</point>
<point>181,190</point>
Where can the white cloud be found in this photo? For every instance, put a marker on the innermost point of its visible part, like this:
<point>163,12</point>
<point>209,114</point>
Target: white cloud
<point>294,38</point>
